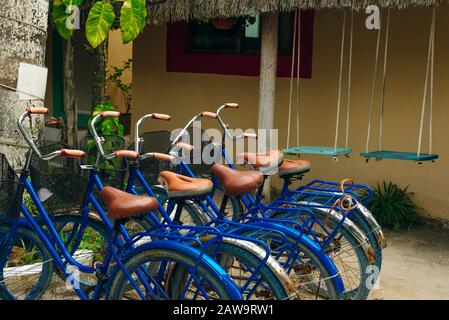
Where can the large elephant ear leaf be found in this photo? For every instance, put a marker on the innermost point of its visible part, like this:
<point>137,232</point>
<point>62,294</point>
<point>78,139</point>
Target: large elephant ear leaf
<point>59,17</point>
<point>76,3</point>
<point>99,22</point>
<point>132,19</point>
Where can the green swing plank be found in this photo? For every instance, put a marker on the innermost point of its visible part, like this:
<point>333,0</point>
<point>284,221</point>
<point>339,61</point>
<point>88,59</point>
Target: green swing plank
<point>400,155</point>
<point>317,150</point>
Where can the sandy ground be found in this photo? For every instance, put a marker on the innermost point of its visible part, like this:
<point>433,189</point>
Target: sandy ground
<point>415,265</point>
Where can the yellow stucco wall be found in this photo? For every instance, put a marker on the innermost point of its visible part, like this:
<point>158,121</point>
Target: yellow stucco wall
<point>118,53</point>
<point>182,95</point>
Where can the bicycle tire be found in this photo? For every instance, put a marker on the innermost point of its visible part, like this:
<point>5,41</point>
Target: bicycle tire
<point>214,280</point>
<point>46,275</point>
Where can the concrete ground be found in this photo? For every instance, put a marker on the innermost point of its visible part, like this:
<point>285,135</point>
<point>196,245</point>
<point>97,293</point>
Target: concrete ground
<point>415,265</point>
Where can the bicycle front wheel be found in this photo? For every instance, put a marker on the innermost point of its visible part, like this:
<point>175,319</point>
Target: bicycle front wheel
<point>149,275</point>
<point>26,267</point>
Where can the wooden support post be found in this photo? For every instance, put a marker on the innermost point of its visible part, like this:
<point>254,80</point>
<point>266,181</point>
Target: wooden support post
<point>268,71</point>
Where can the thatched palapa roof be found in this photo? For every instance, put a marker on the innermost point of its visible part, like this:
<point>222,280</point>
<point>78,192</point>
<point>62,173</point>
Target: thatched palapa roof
<point>183,10</point>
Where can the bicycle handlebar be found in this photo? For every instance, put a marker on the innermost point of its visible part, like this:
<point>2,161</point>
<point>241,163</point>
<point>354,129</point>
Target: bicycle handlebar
<point>31,140</point>
<point>225,127</point>
<point>99,140</point>
<point>156,116</point>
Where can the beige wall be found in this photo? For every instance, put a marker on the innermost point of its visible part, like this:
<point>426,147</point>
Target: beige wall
<point>118,53</point>
<point>183,95</point>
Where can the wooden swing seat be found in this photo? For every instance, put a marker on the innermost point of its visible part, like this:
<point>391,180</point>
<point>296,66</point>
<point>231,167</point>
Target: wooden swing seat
<point>318,150</point>
<point>400,155</point>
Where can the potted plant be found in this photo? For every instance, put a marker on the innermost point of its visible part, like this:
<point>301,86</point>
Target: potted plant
<point>115,77</point>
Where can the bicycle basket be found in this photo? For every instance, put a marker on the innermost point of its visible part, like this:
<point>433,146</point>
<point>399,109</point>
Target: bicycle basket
<point>156,141</point>
<point>112,172</point>
<point>58,182</point>
<point>10,199</point>
<point>195,159</point>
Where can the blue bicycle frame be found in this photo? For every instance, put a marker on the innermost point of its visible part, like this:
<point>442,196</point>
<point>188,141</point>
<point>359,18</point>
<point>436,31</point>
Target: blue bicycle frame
<point>281,227</point>
<point>117,249</point>
<point>228,229</point>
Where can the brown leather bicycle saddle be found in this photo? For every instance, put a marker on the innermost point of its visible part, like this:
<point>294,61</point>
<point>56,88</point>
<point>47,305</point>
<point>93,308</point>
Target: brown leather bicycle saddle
<point>124,205</point>
<point>236,183</point>
<point>262,159</point>
<point>179,186</point>
<point>295,167</point>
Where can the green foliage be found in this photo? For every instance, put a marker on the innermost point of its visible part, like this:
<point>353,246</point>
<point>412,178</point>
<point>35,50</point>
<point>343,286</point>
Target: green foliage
<point>101,18</point>
<point>108,126</point>
<point>126,88</point>
<point>393,206</point>
<point>132,19</point>
<point>29,204</point>
<point>99,21</point>
<point>104,127</point>
<point>61,15</point>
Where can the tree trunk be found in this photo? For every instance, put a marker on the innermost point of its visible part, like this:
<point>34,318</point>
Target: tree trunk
<point>70,102</point>
<point>99,85</point>
<point>23,37</point>
<point>267,90</point>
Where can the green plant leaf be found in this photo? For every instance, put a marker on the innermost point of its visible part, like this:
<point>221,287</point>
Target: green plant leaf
<point>76,3</point>
<point>59,18</point>
<point>132,19</point>
<point>393,206</point>
<point>99,22</point>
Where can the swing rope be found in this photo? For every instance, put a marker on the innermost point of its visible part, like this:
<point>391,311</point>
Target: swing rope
<point>384,80</point>
<point>342,50</point>
<point>298,77</point>
<point>427,94</point>
<point>373,90</point>
<point>296,58</point>
<point>431,82</point>
<point>291,79</point>
<point>348,107</point>
<point>429,74</point>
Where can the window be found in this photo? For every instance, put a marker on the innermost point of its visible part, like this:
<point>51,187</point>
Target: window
<point>201,47</point>
<point>243,37</point>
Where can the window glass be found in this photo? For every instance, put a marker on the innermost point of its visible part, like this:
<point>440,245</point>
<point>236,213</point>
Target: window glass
<point>204,37</point>
<point>243,37</point>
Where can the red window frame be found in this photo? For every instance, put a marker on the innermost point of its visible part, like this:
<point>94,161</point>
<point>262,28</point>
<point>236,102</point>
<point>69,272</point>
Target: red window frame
<point>179,60</point>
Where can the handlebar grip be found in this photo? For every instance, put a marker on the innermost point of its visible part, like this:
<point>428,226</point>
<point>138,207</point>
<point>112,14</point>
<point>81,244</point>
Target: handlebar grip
<point>185,146</point>
<point>209,114</point>
<point>231,105</point>
<point>126,154</point>
<point>37,110</point>
<point>163,156</point>
<point>69,153</point>
<point>248,135</point>
<point>110,114</point>
<point>161,116</point>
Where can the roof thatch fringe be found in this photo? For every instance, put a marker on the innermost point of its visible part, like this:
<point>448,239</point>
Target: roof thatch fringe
<point>183,10</point>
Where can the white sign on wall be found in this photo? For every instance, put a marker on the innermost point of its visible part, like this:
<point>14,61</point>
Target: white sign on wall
<point>32,82</point>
